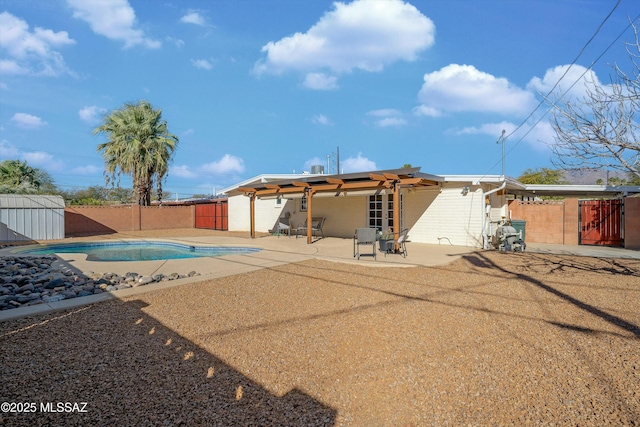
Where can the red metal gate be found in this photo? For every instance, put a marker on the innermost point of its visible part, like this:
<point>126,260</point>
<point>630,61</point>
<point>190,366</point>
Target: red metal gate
<point>213,216</point>
<point>601,222</point>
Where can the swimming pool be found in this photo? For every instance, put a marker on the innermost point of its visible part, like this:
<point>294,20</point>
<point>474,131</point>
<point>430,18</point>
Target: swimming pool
<point>136,251</point>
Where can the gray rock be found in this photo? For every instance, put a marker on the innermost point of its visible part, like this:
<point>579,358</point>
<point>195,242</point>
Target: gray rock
<point>35,280</point>
<point>55,283</point>
<point>24,288</point>
<point>53,298</point>
<point>68,294</point>
<point>144,280</point>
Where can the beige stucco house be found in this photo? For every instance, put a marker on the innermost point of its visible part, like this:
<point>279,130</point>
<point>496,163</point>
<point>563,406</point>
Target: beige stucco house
<point>456,210</point>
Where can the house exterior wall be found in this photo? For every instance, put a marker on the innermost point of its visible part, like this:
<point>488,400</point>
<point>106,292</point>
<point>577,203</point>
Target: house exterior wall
<point>446,217</point>
<point>342,214</point>
<point>267,213</point>
<point>432,216</point>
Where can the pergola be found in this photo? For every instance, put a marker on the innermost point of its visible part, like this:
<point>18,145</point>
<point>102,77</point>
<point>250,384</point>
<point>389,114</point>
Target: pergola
<point>392,180</point>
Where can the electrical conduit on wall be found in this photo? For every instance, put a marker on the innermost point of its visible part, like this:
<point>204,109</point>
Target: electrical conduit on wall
<point>486,236</point>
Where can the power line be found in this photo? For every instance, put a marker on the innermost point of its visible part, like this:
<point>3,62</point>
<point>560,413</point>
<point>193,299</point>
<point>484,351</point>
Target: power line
<point>545,97</point>
<point>568,69</point>
<point>570,87</point>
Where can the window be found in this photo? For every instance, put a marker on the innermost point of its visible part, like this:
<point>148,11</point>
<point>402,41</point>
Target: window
<point>303,204</point>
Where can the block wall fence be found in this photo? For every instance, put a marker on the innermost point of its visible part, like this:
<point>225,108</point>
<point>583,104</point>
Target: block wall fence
<point>83,220</point>
<point>557,221</point>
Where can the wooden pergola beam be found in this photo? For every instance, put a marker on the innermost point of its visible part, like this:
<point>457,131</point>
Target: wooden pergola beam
<point>391,176</point>
<point>247,190</point>
<point>335,181</point>
<point>377,177</point>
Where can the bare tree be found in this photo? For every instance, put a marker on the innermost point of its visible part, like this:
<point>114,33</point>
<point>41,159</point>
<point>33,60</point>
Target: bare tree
<point>601,128</point>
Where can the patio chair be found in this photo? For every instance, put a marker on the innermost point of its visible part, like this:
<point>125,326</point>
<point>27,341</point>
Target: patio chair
<point>364,237</point>
<point>283,225</point>
<point>317,224</point>
<point>401,242</point>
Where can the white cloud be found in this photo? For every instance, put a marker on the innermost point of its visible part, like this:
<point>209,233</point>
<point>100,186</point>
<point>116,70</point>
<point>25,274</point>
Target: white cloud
<point>364,34</point>
<point>457,88</point>
<point>320,81</point>
<point>182,171</point>
<point>203,64</point>
<point>388,117</point>
<point>41,159</point>
<point>179,43</point>
<point>357,164</point>
<point>491,129</point>
<point>114,19</point>
<point>86,170</point>
<point>31,52</point>
<point>423,110</point>
<point>91,114</point>
<point>391,121</point>
<point>193,17</point>
<point>539,137</point>
<point>585,80</point>
<point>27,121</point>
<point>321,119</point>
<point>8,67</point>
<point>227,164</point>
<point>8,151</point>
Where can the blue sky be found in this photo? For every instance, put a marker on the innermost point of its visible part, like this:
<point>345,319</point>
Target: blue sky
<point>275,86</point>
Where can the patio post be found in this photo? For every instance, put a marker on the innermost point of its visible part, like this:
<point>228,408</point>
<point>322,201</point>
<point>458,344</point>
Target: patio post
<point>310,193</point>
<point>396,213</point>
<point>252,214</point>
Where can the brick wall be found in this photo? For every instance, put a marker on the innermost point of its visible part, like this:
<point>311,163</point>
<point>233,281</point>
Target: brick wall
<point>557,221</point>
<point>79,220</point>
<point>554,221</point>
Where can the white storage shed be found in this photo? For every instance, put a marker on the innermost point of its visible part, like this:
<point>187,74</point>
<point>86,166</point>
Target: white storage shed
<point>31,217</point>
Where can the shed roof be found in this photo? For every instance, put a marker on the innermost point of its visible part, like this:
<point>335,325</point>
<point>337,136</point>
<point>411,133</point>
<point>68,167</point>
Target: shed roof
<point>31,201</point>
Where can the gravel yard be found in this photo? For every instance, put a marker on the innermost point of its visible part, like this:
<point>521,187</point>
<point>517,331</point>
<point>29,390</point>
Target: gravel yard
<point>490,339</point>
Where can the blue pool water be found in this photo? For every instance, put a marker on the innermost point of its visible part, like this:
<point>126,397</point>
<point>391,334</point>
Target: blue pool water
<point>137,251</point>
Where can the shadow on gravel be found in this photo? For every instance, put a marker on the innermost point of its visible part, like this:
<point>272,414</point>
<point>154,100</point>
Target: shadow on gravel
<point>132,370</point>
<point>558,264</point>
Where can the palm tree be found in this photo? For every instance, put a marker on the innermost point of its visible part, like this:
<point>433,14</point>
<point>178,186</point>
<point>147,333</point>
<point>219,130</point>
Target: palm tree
<point>139,144</point>
<point>18,177</point>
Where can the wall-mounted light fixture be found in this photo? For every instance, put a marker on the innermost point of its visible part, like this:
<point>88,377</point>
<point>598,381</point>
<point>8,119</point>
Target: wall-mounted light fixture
<point>465,190</point>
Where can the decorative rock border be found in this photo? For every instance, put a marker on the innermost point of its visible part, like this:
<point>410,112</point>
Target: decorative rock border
<point>27,281</point>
